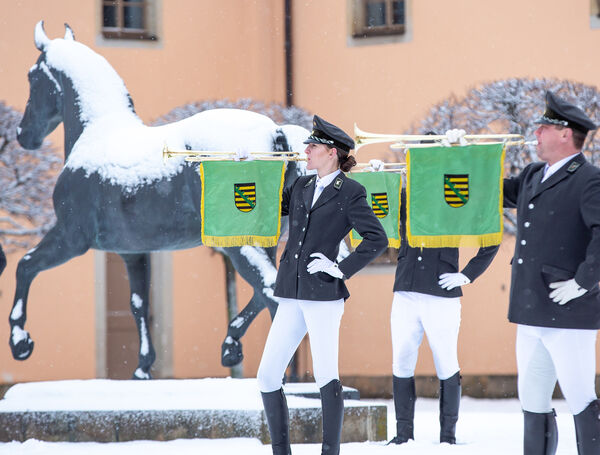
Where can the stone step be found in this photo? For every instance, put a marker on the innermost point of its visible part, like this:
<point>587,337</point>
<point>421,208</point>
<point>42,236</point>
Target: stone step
<point>105,411</point>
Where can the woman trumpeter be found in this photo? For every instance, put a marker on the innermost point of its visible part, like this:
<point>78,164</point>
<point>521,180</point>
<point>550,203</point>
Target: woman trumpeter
<point>322,210</point>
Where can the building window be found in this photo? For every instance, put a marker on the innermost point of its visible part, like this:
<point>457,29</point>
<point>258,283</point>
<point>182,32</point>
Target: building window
<point>379,17</point>
<point>128,19</point>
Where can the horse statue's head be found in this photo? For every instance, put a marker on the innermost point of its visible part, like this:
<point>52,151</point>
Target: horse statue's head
<point>69,83</point>
<point>43,112</point>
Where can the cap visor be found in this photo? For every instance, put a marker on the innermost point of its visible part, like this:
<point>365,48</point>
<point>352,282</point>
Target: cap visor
<point>311,140</point>
<point>543,121</point>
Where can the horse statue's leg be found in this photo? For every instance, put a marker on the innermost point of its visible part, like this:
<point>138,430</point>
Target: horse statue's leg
<point>257,267</point>
<point>138,270</point>
<point>57,247</point>
<point>2,260</point>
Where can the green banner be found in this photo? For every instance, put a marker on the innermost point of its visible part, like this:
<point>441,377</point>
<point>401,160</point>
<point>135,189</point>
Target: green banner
<point>383,195</point>
<point>454,196</point>
<point>241,202</point>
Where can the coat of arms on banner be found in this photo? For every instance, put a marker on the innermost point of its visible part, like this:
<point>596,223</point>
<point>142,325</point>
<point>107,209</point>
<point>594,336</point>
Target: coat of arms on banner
<point>456,189</point>
<point>380,205</point>
<point>244,196</point>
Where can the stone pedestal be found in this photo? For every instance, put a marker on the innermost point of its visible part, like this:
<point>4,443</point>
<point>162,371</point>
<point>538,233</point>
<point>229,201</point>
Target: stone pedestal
<point>108,411</point>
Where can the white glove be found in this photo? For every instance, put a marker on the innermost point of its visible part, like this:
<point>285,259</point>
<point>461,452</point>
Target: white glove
<point>323,264</point>
<point>376,165</point>
<point>450,281</point>
<point>564,291</point>
<point>454,136</point>
<point>242,155</point>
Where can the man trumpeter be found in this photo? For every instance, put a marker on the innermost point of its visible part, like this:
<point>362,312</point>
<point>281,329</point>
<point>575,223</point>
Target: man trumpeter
<point>554,297</point>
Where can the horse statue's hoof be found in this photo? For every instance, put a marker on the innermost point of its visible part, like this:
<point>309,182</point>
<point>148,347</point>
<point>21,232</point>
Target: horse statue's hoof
<point>24,347</point>
<point>141,374</point>
<point>231,352</point>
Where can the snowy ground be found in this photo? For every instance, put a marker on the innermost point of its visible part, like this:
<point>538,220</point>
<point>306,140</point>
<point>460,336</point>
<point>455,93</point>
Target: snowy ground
<point>490,427</point>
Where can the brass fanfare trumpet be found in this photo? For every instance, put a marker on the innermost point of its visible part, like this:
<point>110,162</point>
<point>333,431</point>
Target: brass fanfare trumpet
<point>221,155</point>
<point>403,141</point>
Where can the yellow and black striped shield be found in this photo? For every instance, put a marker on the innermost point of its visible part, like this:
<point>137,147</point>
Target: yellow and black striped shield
<point>380,205</point>
<point>244,196</point>
<point>456,189</point>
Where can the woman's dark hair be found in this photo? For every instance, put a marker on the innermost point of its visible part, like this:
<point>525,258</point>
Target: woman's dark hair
<point>346,161</point>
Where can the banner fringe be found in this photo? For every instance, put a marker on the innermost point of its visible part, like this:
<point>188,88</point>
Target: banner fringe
<point>392,243</point>
<point>455,241</point>
<point>240,240</point>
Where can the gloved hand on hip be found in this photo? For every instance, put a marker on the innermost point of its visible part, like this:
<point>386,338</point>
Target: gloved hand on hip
<point>565,291</point>
<point>323,264</point>
<point>450,281</point>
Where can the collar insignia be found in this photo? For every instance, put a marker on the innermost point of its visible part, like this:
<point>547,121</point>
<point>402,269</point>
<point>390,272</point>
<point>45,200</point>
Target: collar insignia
<point>309,182</point>
<point>338,183</point>
<point>573,167</point>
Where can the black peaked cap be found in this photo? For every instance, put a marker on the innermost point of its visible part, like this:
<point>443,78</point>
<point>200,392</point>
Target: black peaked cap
<point>560,112</point>
<point>327,133</point>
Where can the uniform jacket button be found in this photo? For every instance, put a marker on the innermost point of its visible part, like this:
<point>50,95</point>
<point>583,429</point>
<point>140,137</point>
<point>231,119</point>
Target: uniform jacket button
<point>520,261</point>
<point>531,206</point>
<point>527,224</point>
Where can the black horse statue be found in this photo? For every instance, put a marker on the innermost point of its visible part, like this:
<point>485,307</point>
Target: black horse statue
<point>116,194</point>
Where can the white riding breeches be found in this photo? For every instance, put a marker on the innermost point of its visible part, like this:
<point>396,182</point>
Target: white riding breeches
<point>294,318</point>
<point>548,354</point>
<point>439,317</point>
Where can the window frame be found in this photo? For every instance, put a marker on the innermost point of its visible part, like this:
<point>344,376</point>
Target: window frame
<point>128,33</point>
<point>361,30</point>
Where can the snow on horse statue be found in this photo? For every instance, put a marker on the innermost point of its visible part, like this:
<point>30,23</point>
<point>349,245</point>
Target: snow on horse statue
<point>116,194</point>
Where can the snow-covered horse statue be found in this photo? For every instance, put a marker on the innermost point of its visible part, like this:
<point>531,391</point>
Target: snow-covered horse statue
<point>116,194</point>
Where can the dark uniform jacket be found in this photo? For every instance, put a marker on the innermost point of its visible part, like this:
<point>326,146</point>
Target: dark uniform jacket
<point>341,206</point>
<point>558,238</point>
<point>418,269</point>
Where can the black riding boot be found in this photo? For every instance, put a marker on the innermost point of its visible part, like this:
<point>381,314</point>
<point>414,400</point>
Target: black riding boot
<point>333,417</point>
<point>587,429</point>
<point>276,411</point>
<point>540,433</point>
<point>404,405</point>
<point>449,404</point>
